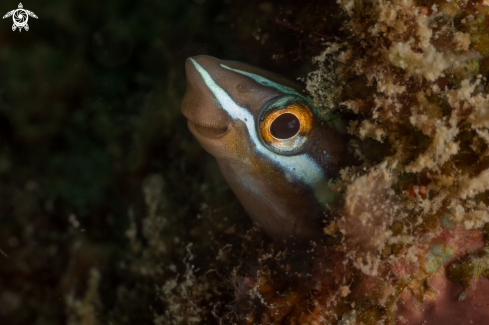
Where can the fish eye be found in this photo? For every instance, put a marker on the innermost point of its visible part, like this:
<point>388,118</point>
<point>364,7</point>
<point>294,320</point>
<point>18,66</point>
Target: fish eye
<point>285,124</point>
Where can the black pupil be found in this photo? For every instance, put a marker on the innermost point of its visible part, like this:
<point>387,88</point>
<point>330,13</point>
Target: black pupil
<point>285,126</point>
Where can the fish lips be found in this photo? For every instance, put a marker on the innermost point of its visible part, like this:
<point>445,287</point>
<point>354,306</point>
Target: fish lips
<point>205,115</point>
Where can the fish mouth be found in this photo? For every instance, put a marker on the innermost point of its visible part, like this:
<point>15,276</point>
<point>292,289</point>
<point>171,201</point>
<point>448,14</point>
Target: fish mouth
<point>207,132</point>
<point>206,117</point>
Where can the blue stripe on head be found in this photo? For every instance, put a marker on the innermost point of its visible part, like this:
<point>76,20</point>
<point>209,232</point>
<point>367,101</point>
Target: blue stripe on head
<point>287,90</point>
<point>267,82</point>
<point>301,167</point>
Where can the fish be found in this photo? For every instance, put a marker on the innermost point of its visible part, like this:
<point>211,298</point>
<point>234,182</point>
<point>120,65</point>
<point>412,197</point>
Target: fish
<point>275,149</point>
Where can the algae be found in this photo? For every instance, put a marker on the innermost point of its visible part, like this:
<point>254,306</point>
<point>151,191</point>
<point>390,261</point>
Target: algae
<point>113,214</point>
<point>98,172</point>
<point>412,78</point>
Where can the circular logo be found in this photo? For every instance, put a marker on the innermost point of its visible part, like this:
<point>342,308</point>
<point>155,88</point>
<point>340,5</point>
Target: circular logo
<point>20,17</point>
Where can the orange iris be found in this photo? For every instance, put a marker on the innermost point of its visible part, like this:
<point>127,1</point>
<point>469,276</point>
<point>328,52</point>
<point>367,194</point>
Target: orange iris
<point>301,113</point>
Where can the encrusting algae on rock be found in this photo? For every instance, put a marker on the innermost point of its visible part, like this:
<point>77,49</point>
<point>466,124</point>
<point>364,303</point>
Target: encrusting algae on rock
<point>406,243</point>
<point>412,79</point>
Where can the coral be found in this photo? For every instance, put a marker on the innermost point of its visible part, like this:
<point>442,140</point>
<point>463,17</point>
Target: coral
<point>103,188</point>
<point>411,78</point>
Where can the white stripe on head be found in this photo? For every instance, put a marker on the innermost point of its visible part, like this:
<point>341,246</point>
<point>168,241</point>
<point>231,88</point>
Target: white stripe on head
<point>301,167</point>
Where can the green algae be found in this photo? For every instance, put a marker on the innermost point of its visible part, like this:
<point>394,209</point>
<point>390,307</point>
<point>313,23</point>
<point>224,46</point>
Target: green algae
<point>485,230</point>
<point>447,223</point>
<point>161,145</point>
<point>469,267</point>
<point>478,29</point>
<point>371,315</point>
<point>437,255</point>
<point>468,69</point>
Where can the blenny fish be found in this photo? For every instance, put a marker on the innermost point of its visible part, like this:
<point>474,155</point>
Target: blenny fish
<point>274,149</point>
<point>278,154</point>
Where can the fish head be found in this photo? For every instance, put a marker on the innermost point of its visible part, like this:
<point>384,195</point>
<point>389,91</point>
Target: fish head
<point>272,147</point>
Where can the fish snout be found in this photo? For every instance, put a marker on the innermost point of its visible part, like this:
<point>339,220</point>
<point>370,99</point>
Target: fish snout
<point>199,105</point>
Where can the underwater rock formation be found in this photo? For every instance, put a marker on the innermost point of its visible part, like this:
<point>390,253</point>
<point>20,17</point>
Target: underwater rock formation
<point>273,150</point>
<point>408,244</point>
<point>411,247</point>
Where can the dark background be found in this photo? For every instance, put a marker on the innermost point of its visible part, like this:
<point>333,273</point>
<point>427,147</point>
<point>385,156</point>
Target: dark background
<point>92,143</point>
